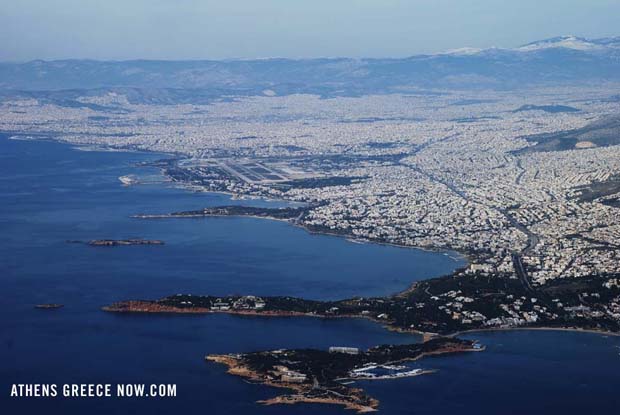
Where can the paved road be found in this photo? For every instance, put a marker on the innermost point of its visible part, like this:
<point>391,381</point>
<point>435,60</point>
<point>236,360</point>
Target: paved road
<point>521,272</point>
<point>532,238</point>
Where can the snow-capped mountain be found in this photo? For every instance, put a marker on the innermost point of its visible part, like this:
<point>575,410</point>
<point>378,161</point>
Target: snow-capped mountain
<point>463,51</point>
<point>567,42</point>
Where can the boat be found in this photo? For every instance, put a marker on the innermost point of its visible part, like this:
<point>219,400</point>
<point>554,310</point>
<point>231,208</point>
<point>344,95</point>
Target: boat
<point>128,180</point>
<point>48,306</point>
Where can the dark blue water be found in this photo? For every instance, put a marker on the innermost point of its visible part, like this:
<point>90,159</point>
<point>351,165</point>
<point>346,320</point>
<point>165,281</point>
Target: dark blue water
<point>50,193</point>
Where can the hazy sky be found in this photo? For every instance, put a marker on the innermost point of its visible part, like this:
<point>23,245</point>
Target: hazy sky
<point>214,29</point>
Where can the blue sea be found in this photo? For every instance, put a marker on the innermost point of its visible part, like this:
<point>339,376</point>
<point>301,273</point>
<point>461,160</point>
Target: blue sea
<point>51,192</point>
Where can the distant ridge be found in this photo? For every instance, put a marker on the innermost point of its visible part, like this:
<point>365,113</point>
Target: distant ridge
<point>555,61</point>
<point>573,42</point>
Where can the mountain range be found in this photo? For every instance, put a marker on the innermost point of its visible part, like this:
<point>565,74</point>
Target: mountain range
<point>557,61</point>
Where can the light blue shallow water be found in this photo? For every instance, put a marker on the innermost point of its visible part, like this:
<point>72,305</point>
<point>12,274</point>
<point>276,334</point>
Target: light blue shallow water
<point>50,193</point>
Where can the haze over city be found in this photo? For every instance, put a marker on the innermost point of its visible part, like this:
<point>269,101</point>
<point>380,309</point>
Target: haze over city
<point>211,29</point>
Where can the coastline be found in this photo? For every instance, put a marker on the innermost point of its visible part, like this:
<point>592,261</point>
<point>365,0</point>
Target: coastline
<point>330,390</point>
<point>465,256</point>
<point>148,307</point>
<point>235,368</point>
<point>353,239</point>
<point>250,323</point>
<point>567,329</point>
<point>448,251</point>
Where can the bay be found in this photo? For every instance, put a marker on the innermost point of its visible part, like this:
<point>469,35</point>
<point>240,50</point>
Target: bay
<point>51,193</point>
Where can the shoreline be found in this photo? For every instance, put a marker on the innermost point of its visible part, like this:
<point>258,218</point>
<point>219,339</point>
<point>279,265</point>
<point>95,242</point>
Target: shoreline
<point>351,397</point>
<point>159,309</point>
<point>452,253</point>
<point>566,329</point>
<point>464,256</point>
<point>235,368</point>
<point>356,239</point>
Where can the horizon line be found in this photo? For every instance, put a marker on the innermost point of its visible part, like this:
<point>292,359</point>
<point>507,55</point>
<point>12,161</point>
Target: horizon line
<point>453,51</point>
